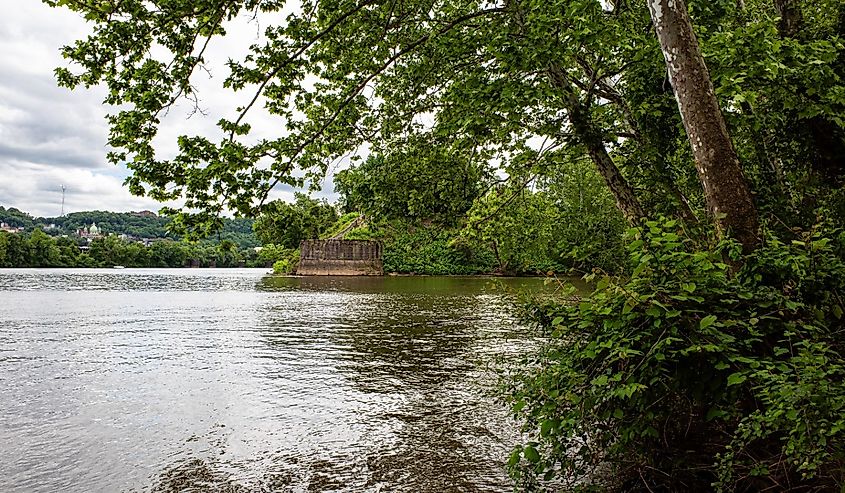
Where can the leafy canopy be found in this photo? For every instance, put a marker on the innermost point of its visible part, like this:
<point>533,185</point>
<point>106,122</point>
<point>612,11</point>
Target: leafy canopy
<point>470,76</point>
<point>286,225</point>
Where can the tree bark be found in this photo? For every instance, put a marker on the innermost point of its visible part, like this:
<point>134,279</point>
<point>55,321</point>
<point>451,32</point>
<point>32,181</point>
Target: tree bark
<point>791,17</point>
<point>728,196</point>
<point>591,139</point>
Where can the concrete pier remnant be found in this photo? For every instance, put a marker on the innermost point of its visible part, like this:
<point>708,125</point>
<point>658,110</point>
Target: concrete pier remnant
<point>340,258</point>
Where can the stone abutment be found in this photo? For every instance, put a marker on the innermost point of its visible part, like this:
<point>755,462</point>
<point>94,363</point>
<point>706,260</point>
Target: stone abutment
<point>340,258</point>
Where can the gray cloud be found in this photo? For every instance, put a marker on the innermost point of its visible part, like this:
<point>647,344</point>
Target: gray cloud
<point>50,136</point>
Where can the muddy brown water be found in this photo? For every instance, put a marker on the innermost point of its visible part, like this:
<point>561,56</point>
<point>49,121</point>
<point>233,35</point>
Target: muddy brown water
<point>233,380</point>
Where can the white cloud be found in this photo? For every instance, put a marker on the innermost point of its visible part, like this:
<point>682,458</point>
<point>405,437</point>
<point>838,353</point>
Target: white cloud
<point>50,136</point>
<point>36,188</point>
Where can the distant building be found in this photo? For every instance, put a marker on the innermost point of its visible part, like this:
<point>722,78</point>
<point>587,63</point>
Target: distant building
<point>9,228</point>
<point>144,214</point>
<point>90,232</point>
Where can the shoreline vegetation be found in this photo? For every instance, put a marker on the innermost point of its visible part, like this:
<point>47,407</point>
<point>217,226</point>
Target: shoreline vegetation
<point>106,239</point>
<point>690,159</point>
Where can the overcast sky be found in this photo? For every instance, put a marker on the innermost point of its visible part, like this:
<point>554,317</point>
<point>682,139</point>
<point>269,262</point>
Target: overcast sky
<point>50,136</point>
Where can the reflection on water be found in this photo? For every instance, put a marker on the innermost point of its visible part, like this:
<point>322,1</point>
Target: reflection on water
<point>230,380</point>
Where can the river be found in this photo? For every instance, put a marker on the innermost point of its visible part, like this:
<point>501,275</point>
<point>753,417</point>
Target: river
<point>233,380</point>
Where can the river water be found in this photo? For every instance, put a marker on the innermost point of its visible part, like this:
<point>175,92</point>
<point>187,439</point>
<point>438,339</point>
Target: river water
<point>232,380</point>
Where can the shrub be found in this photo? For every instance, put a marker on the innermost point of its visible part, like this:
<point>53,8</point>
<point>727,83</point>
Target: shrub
<point>688,376</point>
<point>433,251</point>
<point>288,263</point>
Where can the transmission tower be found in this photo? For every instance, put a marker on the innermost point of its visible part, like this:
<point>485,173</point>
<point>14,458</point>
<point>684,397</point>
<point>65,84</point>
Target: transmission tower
<point>63,201</point>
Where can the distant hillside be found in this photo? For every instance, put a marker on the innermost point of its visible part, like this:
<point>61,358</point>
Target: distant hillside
<point>143,224</point>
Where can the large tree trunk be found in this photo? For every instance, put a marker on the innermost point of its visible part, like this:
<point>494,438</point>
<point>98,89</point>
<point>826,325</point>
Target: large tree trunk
<point>728,196</point>
<point>791,17</point>
<point>591,139</point>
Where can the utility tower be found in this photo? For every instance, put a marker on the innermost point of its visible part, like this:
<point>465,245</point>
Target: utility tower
<point>63,201</point>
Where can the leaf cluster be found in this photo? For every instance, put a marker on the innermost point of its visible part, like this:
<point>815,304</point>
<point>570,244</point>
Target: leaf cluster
<point>688,375</point>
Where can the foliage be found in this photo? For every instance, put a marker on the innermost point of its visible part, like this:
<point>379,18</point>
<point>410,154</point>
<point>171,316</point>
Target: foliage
<point>416,248</point>
<point>519,227</point>
<point>287,224</point>
<point>446,88</point>
<point>786,91</point>
<point>269,255</point>
<point>132,224</point>
<point>568,222</point>
<point>15,217</point>
<point>587,226</point>
<point>38,249</point>
<point>465,88</point>
<point>687,376</point>
<point>287,263</point>
<point>700,368</point>
<point>344,223</point>
<point>440,92</point>
<point>432,251</point>
<point>413,185</point>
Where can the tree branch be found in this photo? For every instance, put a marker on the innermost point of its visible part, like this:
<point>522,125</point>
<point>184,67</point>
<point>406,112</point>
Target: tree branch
<point>366,80</point>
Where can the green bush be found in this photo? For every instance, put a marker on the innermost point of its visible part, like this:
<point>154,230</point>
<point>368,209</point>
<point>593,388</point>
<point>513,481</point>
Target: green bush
<point>434,251</point>
<point>691,375</point>
<point>341,224</point>
<point>288,263</point>
<point>415,248</point>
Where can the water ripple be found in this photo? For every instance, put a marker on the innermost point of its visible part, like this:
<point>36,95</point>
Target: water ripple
<point>230,380</point>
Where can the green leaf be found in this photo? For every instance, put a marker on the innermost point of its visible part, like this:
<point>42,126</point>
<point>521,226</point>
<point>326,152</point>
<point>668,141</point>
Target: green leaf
<point>715,413</point>
<point>736,379</point>
<point>514,457</point>
<point>602,284</point>
<point>707,321</point>
<point>531,454</point>
<point>546,427</point>
<point>654,311</point>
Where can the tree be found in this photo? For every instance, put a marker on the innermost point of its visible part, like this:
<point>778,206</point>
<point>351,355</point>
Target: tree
<point>490,104</point>
<point>167,254</point>
<point>287,224</point>
<point>728,196</point>
<point>69,252</point>
<point>43,250</point>
<point>110,250</point>
<point>4,247</point>
<point>522,236</point>
<point>507,84</point>
<point>17,251</point>
<point>435,185</point>
<point>16,218</point>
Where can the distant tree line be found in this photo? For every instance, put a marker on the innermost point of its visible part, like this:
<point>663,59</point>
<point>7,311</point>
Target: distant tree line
<point>38,249</point>
<point>237,230</point>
